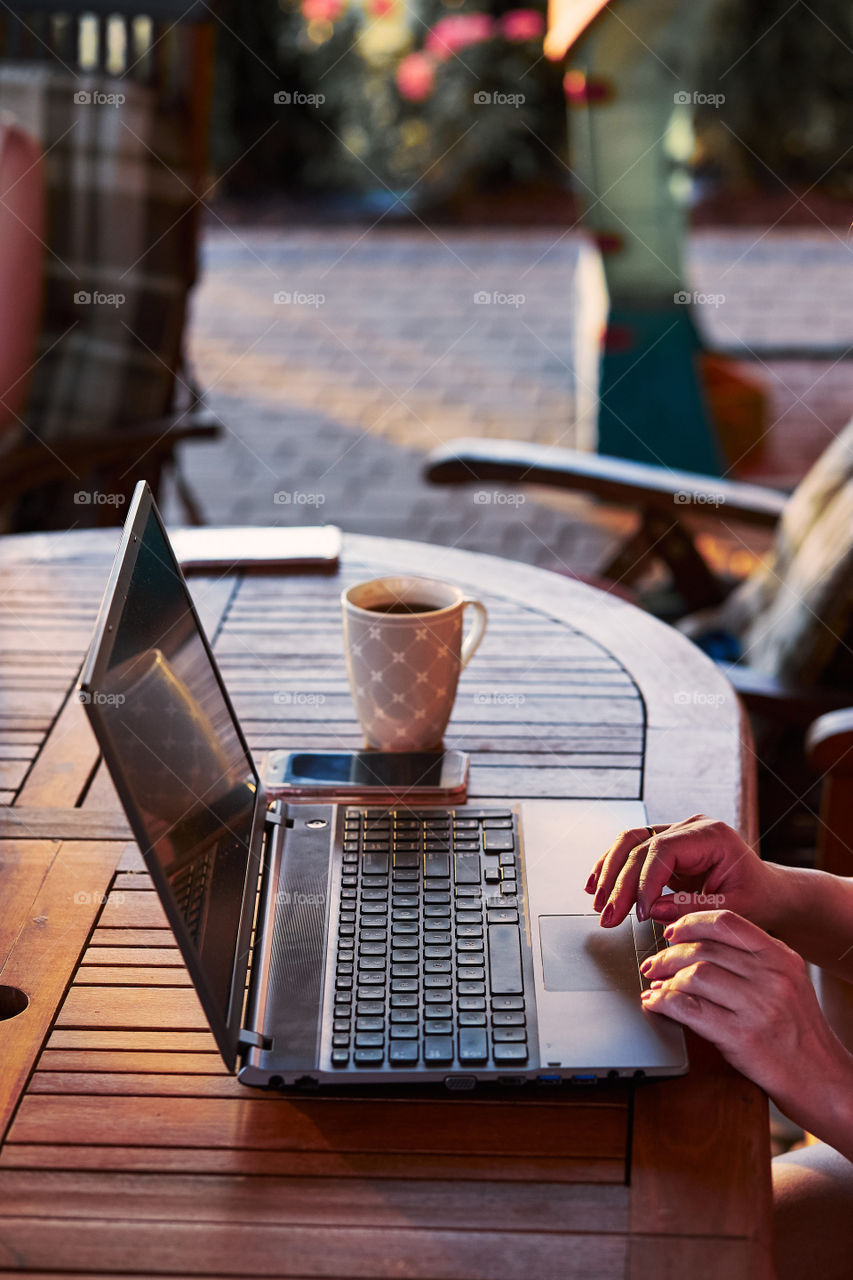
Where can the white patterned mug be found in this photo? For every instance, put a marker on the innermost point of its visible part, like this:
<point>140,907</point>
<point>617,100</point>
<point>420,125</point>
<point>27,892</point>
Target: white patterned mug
<point>405,649</point>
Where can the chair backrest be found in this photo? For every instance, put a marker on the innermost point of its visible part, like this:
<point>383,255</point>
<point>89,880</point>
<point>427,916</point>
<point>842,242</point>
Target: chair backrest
<point>794,614</point>
<point>21,254</point>
<point>119,100</point>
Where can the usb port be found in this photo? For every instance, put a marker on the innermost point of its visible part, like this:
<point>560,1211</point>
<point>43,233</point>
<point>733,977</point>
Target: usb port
<point>584,1079</point>
<point>549,1079</point>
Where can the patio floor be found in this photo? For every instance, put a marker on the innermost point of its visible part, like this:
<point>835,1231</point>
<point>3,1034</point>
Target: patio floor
<point>379,351</point>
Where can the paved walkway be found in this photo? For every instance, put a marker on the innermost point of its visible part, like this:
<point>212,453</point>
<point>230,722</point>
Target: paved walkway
<point>337,358</point>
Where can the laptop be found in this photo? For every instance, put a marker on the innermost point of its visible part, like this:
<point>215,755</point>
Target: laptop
<point>349,943</point>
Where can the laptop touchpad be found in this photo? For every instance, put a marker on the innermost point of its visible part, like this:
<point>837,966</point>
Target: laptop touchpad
<point>578,955</point>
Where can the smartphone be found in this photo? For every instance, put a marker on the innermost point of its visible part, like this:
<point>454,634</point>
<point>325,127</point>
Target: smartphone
<point>368,775</point>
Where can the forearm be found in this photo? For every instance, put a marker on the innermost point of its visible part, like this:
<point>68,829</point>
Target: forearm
<point>820,1098</point>
<point>812,911</point>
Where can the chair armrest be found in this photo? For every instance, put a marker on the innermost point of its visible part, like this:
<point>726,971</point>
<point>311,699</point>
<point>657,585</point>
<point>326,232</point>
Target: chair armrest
<point>829,742</point>
<point>785,703</point>
<point>613,480</point>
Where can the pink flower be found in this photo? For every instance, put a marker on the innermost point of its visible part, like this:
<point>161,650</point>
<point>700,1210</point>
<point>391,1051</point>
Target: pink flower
<point>415,76</point>
<point>523,24</point>
<point>321,10</point>
<point>458,31</point>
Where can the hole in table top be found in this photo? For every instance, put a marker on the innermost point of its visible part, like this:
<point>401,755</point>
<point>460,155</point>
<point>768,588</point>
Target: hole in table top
<point>12,1002</point>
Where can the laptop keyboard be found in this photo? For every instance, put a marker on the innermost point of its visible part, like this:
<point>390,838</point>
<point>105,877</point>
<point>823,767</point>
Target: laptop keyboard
<point>429,959</point>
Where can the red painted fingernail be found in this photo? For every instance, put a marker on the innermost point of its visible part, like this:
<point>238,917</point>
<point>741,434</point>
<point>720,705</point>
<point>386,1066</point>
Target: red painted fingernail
<point>590,884</point>
<point>641,911</point>
<point>667,933</point>
<point>607,914</point>
<point>644,995</point>
<point>645,966</point>
<point>657,983</point>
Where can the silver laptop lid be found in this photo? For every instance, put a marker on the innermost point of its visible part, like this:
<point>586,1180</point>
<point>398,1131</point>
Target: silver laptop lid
<point>180,763</point>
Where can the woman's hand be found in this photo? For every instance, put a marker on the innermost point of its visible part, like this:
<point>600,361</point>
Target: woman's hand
<point>703,860</point>
<point>752,997</point>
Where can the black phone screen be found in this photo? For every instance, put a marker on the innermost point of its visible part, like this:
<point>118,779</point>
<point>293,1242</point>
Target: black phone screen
<point>366,768</point>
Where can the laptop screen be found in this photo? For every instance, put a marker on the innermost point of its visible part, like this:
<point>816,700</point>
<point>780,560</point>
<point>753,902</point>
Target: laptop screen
<point>176,754</point>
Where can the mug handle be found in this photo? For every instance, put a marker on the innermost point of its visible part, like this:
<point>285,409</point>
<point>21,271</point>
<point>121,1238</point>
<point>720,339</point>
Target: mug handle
<point>477,630</point>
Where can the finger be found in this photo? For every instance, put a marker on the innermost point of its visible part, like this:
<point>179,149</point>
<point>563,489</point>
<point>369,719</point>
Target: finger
<point>689,849</point>
<point>711,981</point>
<point>702,1016</point>
<point>722,926</point>
<point>614,860</point>
<point>623,894</point>
<point>666,963</point>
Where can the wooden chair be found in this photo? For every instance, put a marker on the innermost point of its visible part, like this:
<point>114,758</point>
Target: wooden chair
<point>783,634</point>
<point>118,96</point>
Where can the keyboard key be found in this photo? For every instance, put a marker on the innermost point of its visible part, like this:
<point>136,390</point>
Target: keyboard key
<point>507,1002</point>
<point>437,997</point>
<point>468,917</point>
<point>369,1039</point>
<point>512,1018</point>
<point>369,1024</point>
<point>343,997</point>
<point>376,846</point>
<point>438,1049</point>
<point>404,913</point>
<point>505,959</point>
<point>375,864</point>
<point>467,891</point>
<point>471,960</point>
<point>340,1057</point>
<point>466,867</point>
<point>404,900</point>
<point>374,882</point>
<point>372,948</point>
<point>437,953</point>
<point>469,944</point>
<point>341,1024</point>
<point>473,1046</point>
<point>433,910</point>
<point>435,929</point>
<point>506,860</point>
<point>466,988</point>
<point>437,846</point>
<point>369,1057</point>
<point>509,1035</point>
<point>485,813</point>
<point>436,980</point>
<point>402,1053</point>
<point>461,845</point>
<point>371,979</point>
<point>437,966</point>
<point>404,1015</point>
<point>404,971</point>
<point>371,962</point>
<point>406,858</point>
<point>470,1018</point>
<point>498,841</point>
<point>371,934</point>
<point>509,1052</point>
<point>404,926</point>
<point>437,864</point>
<point>374,895</point>
<point>404,1000</point>
<point>341,1040</point>
<point>440,1026</point>
<point>404,955</point>
<point>366,1008</point>
<point>491,875</point>
<point>472,1002</point>
<point>499,900</point>
<point>497,824</point>
<point>374,908</point>
<point>433,895</point>
<point>404,1031</point>
<point>406,875</point>
<point>503,916</point>
<point>404,984</point>
<point>343,983</point>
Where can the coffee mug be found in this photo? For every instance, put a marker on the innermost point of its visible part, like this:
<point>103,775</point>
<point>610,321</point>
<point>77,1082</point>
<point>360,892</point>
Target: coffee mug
<point>404,650</point>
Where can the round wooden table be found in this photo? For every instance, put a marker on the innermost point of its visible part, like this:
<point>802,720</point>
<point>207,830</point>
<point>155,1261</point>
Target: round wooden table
<point>129,1148</point>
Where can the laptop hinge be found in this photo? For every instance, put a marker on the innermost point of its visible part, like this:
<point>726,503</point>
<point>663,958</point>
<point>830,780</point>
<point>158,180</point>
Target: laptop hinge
<point>253,1040</point>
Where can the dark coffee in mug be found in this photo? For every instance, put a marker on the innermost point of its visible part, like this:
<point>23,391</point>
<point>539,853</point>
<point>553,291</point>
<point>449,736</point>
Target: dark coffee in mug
<point>404,606</point>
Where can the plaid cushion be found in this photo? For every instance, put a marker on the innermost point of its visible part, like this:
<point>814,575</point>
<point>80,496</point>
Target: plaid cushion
<point>120,247</point>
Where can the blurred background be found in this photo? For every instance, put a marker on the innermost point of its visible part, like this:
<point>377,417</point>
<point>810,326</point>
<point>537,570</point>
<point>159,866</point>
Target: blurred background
<point>370,228</point>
